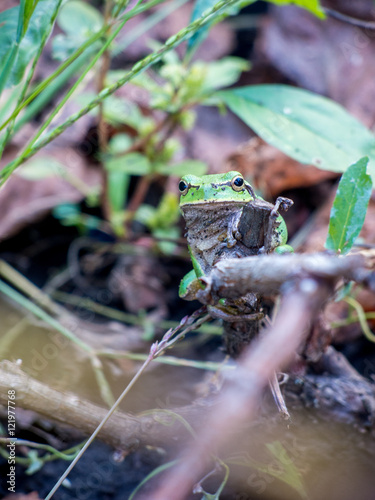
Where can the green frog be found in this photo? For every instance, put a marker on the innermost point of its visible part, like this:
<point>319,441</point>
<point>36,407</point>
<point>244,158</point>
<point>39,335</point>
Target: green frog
<point>226,219</point>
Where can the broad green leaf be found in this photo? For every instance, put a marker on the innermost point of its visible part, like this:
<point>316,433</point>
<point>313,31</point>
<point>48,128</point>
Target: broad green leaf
<point>14,58</point>
<point>132,164</point>
<point>10,37</point>
<point>194,167</point>
<point>310,128</point>
<point>311,5</point>
<point>349,207</point>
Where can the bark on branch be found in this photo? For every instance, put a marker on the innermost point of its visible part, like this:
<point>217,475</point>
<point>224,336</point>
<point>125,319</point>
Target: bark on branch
<point>308,281</point>
<point>266,274</point>
<point>123,431</point>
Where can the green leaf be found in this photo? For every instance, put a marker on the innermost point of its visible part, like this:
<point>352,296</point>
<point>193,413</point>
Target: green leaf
<point>224,72</point>
<point>166,214</point>
<point>289,474</point>
<point>119,143</point>
<point>66,211</point>
<point>310,5</point>
<point>28,9</point>
<point>123,111</point>
<point>194,167</point>
<point>309,128</point>
<point>41,168</point>
<point>79,21</point>
<point>152,474</point>
<point>199,7</point>
<point>349,207</point>
<point>117,190</point>
<point>35,463</point>
<point>170,233</point>
<point>79,18</point>
<point>131,163</point>
<point>15,58</point>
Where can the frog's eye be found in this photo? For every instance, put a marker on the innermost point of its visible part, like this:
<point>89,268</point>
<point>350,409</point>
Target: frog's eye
<point>237,183</point>
<point>183,187</point>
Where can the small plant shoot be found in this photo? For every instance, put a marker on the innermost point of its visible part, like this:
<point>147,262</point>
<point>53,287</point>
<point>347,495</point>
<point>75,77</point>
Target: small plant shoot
<point>349,207</point>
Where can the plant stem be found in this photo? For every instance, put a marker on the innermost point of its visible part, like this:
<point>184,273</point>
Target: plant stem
<point>156,349</point>
<point>28,79</point>
<point>140,66</point>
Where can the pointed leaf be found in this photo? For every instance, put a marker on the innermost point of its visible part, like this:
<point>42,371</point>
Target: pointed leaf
<point>11,33</point>
<point>309,128</point>
<point>349,207</point>
<point>290,474</point>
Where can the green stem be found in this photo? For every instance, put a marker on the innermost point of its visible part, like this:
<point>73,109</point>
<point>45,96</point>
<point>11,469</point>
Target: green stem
<point>39,313</point>
<point>132,319</point>
<point>64,455</point>
<point>29,77</point>
<point>92,63</point>
<point>96,36</point>
<point>140,66</point>
<point>166,360</point>
<point>187,324</point>
<point>361,318</point>
<point>45,83</point>
<point>350,320</point>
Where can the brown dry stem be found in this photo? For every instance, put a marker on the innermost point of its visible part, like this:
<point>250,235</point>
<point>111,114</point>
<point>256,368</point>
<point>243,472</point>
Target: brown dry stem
<point>123,431</point>
<point>301,302</point>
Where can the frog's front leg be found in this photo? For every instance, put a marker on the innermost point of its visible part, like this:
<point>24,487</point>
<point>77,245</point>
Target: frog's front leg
<point>283,203</point>
<point>233,234</point>
<point>190,284</point>
<point>276,234</point>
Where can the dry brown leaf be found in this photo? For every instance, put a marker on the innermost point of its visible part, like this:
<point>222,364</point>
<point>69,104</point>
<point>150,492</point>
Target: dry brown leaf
<point>23,201</point>
<point>272,171</point>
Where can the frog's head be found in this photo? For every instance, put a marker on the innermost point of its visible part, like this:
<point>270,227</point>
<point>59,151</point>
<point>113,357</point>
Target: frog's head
<point>228,187</point>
